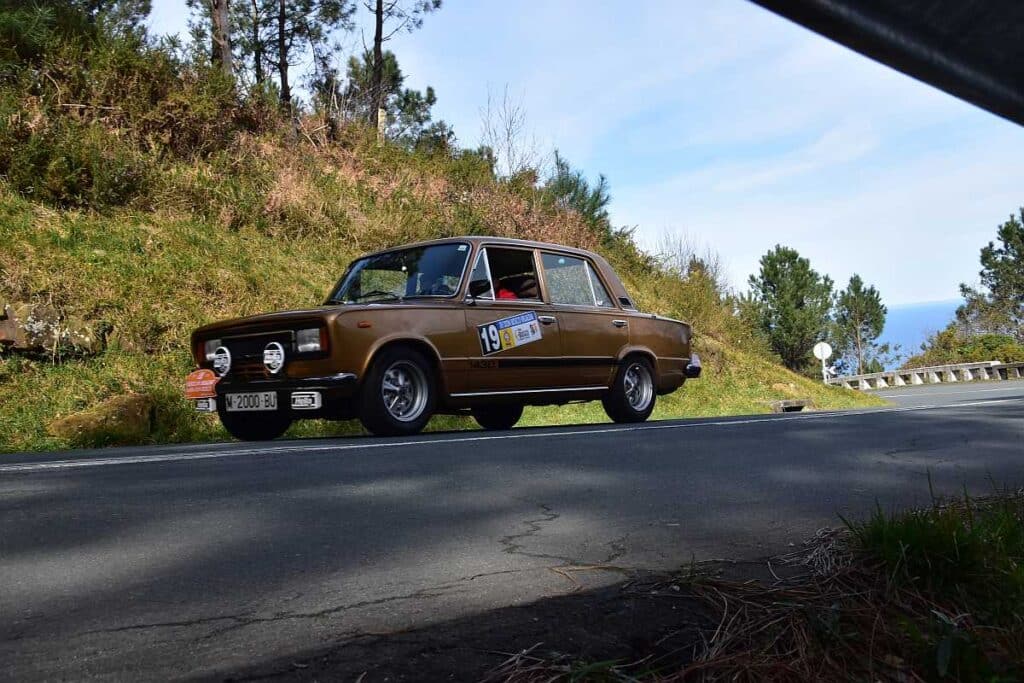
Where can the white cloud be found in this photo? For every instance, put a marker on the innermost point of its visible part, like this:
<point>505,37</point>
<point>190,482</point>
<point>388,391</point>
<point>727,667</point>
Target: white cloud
<point>913,228</point>
<point>835,147</point>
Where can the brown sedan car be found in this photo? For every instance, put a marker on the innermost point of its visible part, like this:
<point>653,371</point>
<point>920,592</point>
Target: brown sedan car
<point>467,325</point>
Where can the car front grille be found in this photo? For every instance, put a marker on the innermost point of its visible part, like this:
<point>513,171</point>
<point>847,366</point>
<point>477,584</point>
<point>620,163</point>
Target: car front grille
<point>247,353</point>
<point>248,370</point>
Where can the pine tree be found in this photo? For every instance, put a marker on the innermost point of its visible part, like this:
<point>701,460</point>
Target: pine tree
<point>790,304</point>
<point>859,320</point>
<point>402,17</point>
<point>410,111</point>
<point>999,308</point>
<point>569,189</point>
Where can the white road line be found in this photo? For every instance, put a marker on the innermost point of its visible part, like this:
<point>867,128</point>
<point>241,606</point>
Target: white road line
<point>301,450</point>
<point>954,392</point>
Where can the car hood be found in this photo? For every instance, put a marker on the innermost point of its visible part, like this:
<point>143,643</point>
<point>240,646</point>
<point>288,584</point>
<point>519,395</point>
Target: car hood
<point>269,320</point>
<point>326,314</point>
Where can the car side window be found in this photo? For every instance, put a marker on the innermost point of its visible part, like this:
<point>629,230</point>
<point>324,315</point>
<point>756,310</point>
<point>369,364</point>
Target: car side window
<point>572,282</point>
<point>513,274</point>
<point>600,293</point>
<point>480,279</point>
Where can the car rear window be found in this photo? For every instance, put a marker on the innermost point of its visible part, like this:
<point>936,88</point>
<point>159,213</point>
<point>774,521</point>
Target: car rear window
<point>571,281</point>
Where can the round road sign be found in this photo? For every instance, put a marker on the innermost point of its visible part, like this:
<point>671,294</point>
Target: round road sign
<point>822,351</point>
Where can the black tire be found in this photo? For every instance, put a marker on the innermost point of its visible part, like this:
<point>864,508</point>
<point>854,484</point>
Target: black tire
<point>261,426</point>
<point>623,404</point>
<point>398,363</point>
<point>497,416</point>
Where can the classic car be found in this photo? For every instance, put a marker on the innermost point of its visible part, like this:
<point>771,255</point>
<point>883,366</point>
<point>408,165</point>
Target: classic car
<point>468,325</point>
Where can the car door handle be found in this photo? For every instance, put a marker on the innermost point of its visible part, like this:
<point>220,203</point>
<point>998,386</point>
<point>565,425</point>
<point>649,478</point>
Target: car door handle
<point>619,323</point>
<point>547,319</point>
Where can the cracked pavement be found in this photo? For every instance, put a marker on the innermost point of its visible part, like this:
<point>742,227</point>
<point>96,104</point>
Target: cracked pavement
<point>202,561</point>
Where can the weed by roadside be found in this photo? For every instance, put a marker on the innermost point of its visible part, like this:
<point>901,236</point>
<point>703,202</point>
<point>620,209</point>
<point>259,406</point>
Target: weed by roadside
<point>923,595</point>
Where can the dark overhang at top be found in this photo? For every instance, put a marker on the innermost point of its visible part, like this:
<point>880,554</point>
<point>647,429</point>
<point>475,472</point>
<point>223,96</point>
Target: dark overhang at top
<point>973,49</point>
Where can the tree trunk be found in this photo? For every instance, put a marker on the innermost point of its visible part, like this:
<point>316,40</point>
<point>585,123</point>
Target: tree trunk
<point>221,36</point>
<point>377,86</point>
<point>257,44</point>
<point>860,352</point>
<point>282,54</point>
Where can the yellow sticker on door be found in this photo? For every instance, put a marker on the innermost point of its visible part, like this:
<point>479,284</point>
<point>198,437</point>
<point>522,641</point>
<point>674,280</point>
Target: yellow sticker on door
<point>508,333</point>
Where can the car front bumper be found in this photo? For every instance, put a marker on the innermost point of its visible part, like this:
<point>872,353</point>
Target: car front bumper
<point>333,393</point>
<point>339,385</point>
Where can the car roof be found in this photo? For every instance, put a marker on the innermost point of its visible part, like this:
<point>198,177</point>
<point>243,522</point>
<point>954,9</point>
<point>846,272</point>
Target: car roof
<point>497,241</point>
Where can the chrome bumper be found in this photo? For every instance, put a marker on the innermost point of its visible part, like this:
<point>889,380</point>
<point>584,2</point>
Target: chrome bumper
<point>332,385</point>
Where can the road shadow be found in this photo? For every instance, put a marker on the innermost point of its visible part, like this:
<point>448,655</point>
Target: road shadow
<point>650,619</point>
<point>106,568</point>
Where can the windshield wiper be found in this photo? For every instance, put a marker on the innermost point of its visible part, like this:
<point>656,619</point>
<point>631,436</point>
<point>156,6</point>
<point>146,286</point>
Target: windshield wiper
<point>385,296</point>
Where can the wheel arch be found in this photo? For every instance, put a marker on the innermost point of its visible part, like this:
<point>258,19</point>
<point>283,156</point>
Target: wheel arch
<point>418,343</point>
<point>643,352</point>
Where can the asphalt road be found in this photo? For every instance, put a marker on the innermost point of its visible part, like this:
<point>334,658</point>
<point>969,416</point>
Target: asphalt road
<point>177,562</point>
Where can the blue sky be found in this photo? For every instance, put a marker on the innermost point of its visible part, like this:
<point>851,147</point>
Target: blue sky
<point>732,126</point>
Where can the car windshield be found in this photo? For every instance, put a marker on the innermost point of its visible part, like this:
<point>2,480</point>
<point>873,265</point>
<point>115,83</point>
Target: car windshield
<point>434,270</point>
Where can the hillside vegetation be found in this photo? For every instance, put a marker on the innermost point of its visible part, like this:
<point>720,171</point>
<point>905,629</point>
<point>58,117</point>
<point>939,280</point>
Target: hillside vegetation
<point>140,192</point>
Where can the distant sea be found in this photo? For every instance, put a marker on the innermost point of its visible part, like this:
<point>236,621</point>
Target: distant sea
<point>909,325</point>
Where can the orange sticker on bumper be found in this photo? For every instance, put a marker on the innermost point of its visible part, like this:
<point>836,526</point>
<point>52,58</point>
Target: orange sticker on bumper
<point>201,384</point>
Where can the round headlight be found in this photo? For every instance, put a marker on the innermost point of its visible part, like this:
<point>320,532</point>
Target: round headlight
<point>273,357</point>
<point>222,361</point>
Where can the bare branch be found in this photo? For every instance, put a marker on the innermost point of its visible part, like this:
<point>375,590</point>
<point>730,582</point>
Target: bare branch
<point>504,130</point>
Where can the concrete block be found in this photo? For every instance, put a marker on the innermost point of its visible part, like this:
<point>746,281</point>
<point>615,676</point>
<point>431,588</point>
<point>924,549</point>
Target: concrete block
<point>791,405</point>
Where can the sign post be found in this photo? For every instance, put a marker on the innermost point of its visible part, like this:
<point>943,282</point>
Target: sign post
<point>823,352</point>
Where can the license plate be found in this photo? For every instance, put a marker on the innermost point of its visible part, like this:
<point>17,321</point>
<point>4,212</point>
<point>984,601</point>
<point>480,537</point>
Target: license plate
<point>263,400</point>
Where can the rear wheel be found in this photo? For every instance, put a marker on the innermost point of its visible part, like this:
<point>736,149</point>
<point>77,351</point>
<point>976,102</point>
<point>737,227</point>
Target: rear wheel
<point>398,394</point>
<point>497,416</point>
<point>632,396</point>
<point>259,426</point>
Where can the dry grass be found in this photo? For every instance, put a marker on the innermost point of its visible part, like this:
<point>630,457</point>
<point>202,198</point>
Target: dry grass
<point>848,612</point>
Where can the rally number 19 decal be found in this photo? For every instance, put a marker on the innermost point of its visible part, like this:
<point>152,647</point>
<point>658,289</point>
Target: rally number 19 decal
<point>490,342</point>
<point>508,333</point>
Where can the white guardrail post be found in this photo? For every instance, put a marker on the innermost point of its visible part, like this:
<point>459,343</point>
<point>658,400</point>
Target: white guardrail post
<point>940,374</point>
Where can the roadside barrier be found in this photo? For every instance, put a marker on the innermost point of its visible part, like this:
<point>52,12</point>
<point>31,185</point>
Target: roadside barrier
<point>939,374</point>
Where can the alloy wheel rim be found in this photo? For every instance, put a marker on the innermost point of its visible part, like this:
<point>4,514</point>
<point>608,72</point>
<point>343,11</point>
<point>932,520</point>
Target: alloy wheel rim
<point>639,387</point>
<point>404,390</point>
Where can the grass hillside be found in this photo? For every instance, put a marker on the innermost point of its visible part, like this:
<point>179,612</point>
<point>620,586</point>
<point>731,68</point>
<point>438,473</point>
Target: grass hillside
<point>161,201</point>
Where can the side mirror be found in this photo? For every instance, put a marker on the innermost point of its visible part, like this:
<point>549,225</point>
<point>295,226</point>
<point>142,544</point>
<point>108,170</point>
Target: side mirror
<point>478,288</point>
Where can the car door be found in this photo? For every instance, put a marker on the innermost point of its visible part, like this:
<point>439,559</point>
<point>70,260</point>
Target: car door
<point>592,327</point>
<point>516,343</point>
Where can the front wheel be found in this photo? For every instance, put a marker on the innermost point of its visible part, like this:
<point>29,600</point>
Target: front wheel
<point>259,426</point>
<point>398,394</point>
<point>498,416</point>
<point>632,396</point>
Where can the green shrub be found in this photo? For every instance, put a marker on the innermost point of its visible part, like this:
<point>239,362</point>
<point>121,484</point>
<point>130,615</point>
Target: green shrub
<point>958,550</point>
<point>968,557</point>
<point>953,346</point>
<point>73,165</point>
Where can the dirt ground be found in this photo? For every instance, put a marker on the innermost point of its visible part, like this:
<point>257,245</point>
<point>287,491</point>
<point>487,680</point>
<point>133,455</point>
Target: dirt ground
<point>651,615</point>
